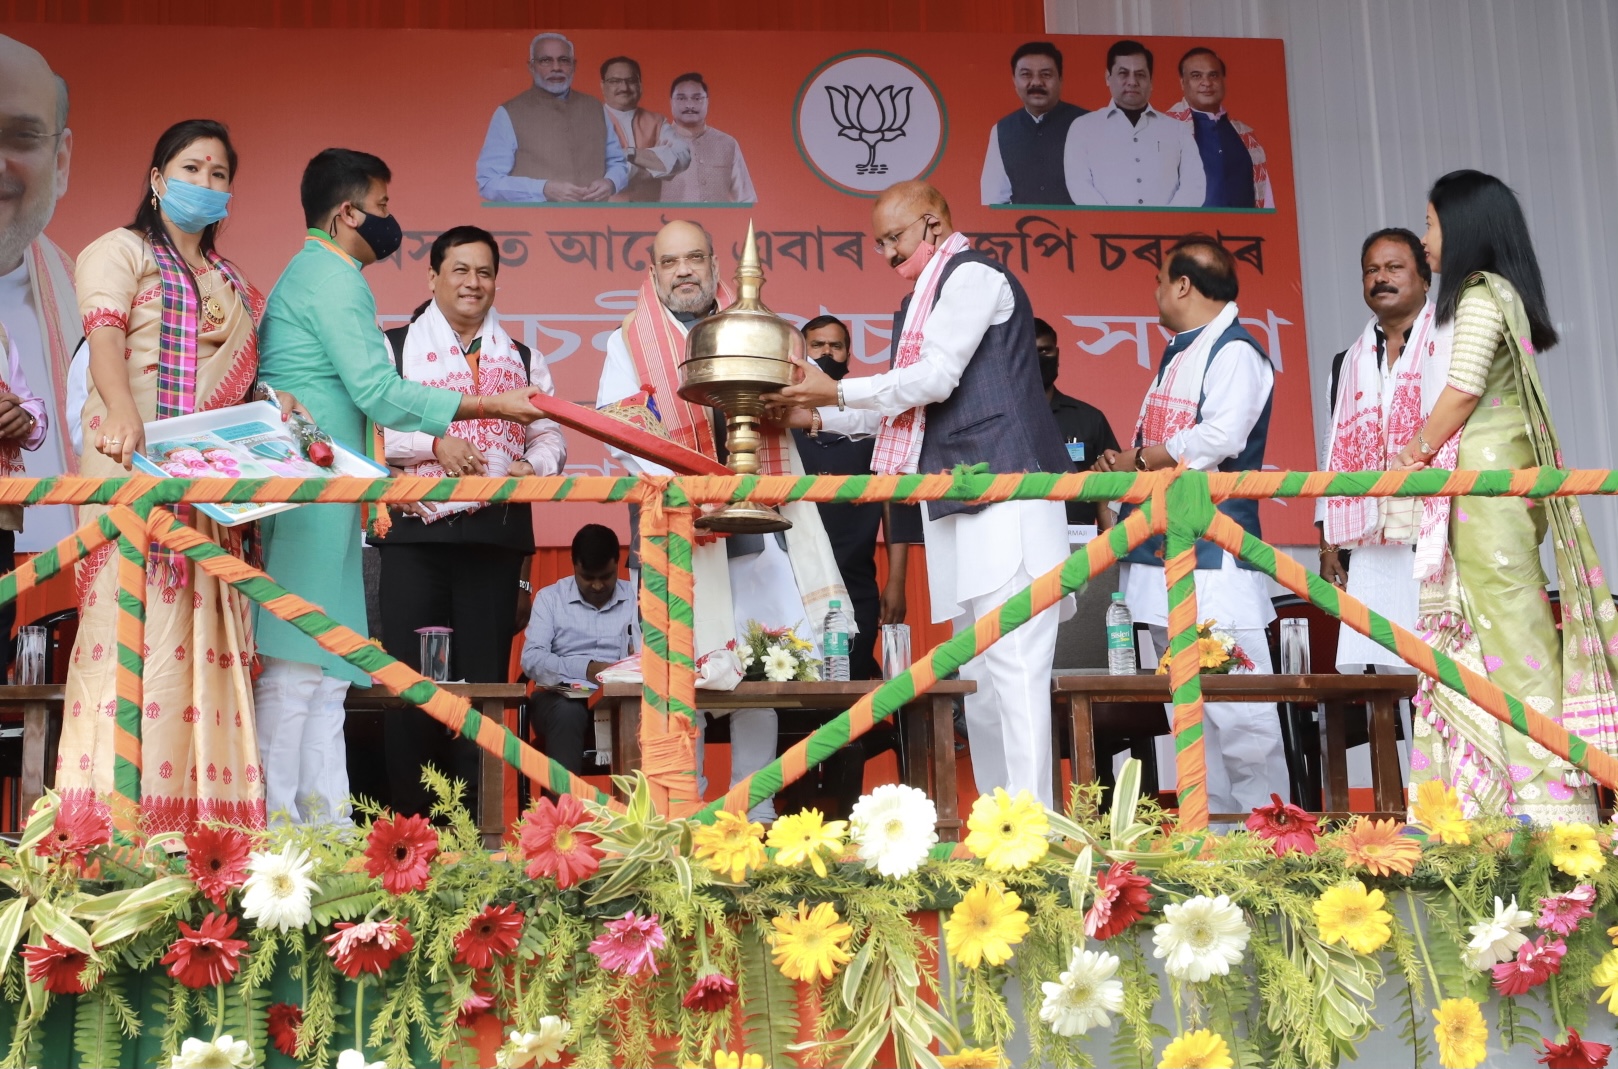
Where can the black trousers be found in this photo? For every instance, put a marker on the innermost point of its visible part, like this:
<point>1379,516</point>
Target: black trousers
<point>567,724</point>
<point>473,589</point>
<point>8,611</point>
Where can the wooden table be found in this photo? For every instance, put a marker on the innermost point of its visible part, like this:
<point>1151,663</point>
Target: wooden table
<point>41,707</point>
<point>926,728</point>
<point>1074,694</point>
<point>490,699</point>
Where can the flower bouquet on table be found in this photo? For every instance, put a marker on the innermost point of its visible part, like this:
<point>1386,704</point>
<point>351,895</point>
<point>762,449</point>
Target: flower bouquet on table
<point>776,654</point>
<point>1217,651</point>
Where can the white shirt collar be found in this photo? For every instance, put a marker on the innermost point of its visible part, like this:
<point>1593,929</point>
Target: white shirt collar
<point>1114,109</point>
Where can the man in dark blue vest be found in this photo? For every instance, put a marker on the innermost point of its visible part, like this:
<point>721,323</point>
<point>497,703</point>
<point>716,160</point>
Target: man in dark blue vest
<point>964,389</point>
<point>1024,161</point>
<point>1232,158</point>
<point>1209,408</point>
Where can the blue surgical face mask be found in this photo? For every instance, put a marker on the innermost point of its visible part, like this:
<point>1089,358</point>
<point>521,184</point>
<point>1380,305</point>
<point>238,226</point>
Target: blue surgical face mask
<point>191,207</point>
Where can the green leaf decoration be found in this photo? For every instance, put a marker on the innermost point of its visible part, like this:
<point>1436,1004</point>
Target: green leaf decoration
<point>769,1001</point>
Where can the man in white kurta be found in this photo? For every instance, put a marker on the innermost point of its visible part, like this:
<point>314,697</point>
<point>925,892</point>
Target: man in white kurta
<point>1377,404</point>
<point>1209,408</point>
<point>966,361</point>
<point>1129,154</point>
<point>787,581</point>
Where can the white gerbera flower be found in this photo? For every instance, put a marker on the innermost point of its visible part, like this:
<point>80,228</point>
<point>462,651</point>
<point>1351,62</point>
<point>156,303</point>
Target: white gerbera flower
<point>1200,937</point>
<point>355,1059</point>
<point>893,827</point>
<point>221,1053</point>
<point>1084,995</point>
<point>539,1048</point>
<point>1497,939</point>
<point>278,888</point>
<point>780,665</point>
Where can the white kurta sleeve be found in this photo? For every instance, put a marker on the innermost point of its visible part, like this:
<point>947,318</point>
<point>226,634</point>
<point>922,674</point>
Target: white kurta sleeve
<point>1081,187</point>
<point>546,447</point>
<point>1235,390</point>
<point>1193,187</point>
<point>618,381</point>
<point>995,185</point>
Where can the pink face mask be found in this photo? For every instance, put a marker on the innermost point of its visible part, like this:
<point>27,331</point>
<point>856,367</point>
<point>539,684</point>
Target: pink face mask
<point>911,269</point>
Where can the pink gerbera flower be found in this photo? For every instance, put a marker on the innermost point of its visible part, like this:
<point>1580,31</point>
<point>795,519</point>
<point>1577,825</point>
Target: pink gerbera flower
<point>1537,961</point>
<point>629,944</point>
<point>1562,913</point>
<point>1285,826</point>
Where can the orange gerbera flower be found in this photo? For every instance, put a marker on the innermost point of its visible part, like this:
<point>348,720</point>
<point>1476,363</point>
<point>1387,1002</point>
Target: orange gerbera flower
<point>1380,847</point>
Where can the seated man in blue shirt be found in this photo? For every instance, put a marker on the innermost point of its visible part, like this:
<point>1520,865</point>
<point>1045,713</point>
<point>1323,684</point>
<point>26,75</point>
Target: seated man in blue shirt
<point>578,626</point>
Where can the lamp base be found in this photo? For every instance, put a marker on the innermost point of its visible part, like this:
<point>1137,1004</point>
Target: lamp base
<point>744,517</point>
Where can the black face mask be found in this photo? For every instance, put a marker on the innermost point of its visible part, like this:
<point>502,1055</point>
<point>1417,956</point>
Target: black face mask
<point>832,367</point>
<point>1047,370</point>
<point>382,233</point>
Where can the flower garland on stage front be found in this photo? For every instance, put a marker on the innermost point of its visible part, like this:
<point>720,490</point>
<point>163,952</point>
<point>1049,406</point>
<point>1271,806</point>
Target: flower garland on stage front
<point>625,937</point>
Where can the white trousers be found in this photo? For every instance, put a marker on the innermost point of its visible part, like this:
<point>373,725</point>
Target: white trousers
<point>753,735</point>
<point>1008,720</point>
<point>299,713</point>
<point>1241,740</point>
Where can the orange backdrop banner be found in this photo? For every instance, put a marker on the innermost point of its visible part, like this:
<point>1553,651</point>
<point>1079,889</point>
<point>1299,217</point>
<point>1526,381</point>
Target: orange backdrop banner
<point>820,122</point>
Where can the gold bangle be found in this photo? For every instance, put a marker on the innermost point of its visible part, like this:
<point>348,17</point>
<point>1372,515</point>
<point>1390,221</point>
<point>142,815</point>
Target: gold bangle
<point>1328,548</point>
<point>815,423</point>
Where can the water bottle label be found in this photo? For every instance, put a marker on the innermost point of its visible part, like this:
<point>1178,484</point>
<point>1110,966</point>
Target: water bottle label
<point>1120,636</point>
<point>836,644</point>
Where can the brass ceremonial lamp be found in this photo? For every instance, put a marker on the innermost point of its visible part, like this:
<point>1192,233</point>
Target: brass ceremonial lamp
<point>731,358</point>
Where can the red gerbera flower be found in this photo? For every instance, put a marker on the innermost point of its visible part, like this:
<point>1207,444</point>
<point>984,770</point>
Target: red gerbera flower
<point>285,1020</point>
<point>474,1005</point>
<point>216,860</point>
<point>78,827</point>
<point>369,946</point>
<point>710,993</point>
<point>1121,900</point>
<point>1537,961</point>
<point>1286,826</point>
<point>205,956</point>
<point>1576,1053</point>
<point>494,933</point>
<point>55,965</point>
<point>553,844</point>
<point>399,851</point>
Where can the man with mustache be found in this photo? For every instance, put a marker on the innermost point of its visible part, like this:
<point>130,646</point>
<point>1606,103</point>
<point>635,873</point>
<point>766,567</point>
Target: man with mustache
<point>718,173</point>
<point>1024,161</point>
<point>964,389</point>
<point>551,142</point>
<point>1233,162</point>
<point>779,580</point>
<point>654,151</point>
<point>37,302</point>
<point>1378,401</point>
<point>1130,154</point>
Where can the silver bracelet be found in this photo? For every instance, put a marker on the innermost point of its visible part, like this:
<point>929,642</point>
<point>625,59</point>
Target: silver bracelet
<point>841,405</point>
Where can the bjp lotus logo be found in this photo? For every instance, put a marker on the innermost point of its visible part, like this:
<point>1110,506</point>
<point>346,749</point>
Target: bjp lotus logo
<point>855,104</point>
<point>870,116</point>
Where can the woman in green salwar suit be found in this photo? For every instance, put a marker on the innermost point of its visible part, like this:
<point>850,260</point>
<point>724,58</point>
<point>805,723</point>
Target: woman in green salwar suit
<point>1483,598</point>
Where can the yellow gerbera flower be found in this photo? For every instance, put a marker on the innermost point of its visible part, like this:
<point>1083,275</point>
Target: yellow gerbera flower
<point>984,925</point>
<point>810,944</point>
<point>1008,833</point>
<point>1350,914</point>
<point>1212,652</point>
<point>724,1059</point>
<point>730,845</point>
<point>1575,851</point>
<point>1200,1049</point>
<point>804,837</point>
<point>973,1058</point>
<point>1438,809</point>
<point>1605,976</point>
<point>1463,1037</point>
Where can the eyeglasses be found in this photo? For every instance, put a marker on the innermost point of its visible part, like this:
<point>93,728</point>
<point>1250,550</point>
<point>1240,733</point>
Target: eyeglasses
<point>892,240</point>
<point>19,141</point>
<point>695,259</point>
<point>552,61</point>
<point>694,98</point>
<point>622,83</point>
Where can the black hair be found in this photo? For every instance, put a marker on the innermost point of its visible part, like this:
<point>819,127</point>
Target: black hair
<point>1399,233</point>
<point>148,215</point>
<point>622,59</point>
<point>1484,230</point>
<point>827,321</point>
<point>1200,50</point>
<point>1037,48</point>
<point>337,175</point>
<point>462,235</point>
<point>1208,264</point>
<point>595,546</point>
<point>420,308</point>
<point>1042,329</point>
<point>691,76</point>
<point>1128,48</point>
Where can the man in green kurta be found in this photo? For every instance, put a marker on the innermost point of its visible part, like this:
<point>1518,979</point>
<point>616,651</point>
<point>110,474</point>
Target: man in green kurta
<point>319,339</point>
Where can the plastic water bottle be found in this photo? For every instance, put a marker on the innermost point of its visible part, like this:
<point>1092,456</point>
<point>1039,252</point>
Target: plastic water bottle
<point>835,645</point>
<point>1121,660</point>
